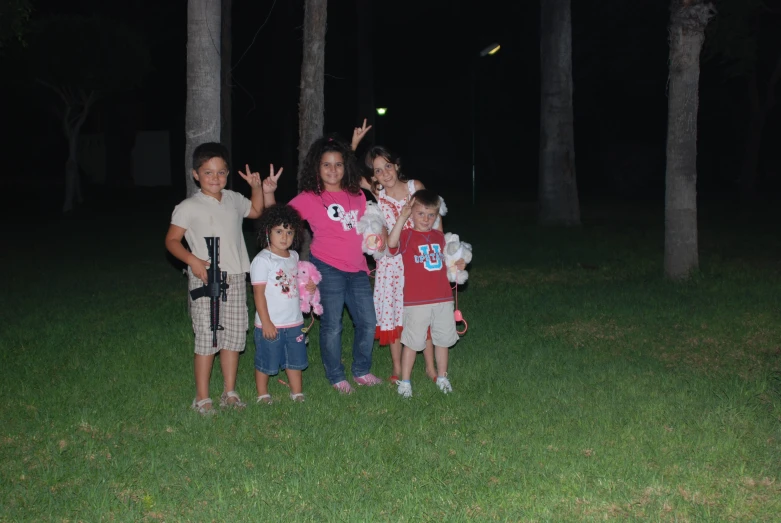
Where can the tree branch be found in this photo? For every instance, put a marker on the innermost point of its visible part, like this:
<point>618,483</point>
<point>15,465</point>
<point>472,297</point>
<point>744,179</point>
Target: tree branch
<point>89,99</point>
<point>54,88</point>
<point>83,115</point>
<point>66,128</point>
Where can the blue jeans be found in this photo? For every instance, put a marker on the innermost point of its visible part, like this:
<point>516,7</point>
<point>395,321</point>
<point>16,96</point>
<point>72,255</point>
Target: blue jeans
<point>337,289</point>
<point>287,351</point>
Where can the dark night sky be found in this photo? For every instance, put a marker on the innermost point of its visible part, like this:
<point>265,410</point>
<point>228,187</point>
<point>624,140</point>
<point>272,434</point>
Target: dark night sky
<point>424,53</point>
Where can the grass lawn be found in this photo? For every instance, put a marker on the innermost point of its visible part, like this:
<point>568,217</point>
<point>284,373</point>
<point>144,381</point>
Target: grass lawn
<point>587,387</point>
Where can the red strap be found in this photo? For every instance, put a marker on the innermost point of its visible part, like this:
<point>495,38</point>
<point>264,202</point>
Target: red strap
<point>457,314</point>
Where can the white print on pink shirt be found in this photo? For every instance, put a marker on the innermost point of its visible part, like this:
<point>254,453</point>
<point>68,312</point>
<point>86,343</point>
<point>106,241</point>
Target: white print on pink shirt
<point>348,219</point>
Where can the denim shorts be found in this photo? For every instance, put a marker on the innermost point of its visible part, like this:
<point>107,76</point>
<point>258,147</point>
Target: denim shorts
<point>287,351</point>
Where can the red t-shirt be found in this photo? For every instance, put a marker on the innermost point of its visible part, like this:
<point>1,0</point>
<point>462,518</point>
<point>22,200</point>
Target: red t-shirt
<point>425,272</point>
<point>333,217</point>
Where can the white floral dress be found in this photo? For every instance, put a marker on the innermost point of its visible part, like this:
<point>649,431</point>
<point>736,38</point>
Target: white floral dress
<point>389,276</point>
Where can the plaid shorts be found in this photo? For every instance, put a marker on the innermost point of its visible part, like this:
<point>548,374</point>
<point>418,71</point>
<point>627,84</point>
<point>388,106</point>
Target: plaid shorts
<point>234,317</point>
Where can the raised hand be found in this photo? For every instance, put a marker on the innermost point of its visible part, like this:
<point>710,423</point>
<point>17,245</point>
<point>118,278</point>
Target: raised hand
<point>253,179</point>
<point>359,133</point>
<point>199,266</point>
<point>406,211</point>
<point>270,183</point>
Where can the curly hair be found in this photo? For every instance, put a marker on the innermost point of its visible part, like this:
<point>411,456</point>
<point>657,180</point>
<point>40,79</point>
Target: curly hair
<point>280,214</point>
<point>309,176</point>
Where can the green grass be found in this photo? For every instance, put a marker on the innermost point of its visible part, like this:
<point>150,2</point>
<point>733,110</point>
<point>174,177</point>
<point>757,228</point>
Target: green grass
<point>587,388</point>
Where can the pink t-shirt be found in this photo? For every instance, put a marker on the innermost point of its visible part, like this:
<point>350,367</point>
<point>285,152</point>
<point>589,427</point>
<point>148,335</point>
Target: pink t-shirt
<point>333,217</point>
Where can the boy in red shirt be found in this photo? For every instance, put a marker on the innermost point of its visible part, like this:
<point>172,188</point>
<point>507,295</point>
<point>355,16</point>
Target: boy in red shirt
<point>428,298</point>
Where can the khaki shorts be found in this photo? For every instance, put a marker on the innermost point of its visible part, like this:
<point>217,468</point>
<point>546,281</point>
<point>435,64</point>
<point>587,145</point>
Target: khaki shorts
<point>234,317</point>
<point>438,316</point>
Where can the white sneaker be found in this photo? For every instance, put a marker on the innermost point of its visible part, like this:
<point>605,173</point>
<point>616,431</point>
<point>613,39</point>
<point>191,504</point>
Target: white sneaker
<point>404,389</point>
<point>444,385</point>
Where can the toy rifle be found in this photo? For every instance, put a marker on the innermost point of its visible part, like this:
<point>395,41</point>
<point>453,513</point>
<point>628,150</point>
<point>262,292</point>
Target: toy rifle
<point>216,287</point>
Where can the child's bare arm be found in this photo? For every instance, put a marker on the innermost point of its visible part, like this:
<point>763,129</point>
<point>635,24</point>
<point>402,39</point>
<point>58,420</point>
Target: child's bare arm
<point>385,237</point>
<point>358,134</point>
<point>269,187</point>
<point>269,329</point>
<point>256,200</point>
<point>173,242</point>
<point>393,237</point>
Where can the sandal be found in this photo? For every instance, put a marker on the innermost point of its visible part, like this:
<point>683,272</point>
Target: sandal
<point>343,387</point>
<point>298,398</point>
<point>265,398</point>
<point>226,396</point>
<point>368,380</point>
<point>203,407</point>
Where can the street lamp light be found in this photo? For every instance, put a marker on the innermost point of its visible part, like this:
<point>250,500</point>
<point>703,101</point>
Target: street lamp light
<point>487,51</point>
<point>491,49</point>
<point>382,110</point>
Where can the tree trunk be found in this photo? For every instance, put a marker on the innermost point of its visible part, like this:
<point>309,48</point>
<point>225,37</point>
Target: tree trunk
<point>311,107</point>
<point>72,130</point>
<point>365,30</point>
<point>750,165</point>
<point>202,111</point>
<point>760,110</point>
<point>226,94</point>
<point>72,176</point>
<point>558,188</point>
<point>688,19</point>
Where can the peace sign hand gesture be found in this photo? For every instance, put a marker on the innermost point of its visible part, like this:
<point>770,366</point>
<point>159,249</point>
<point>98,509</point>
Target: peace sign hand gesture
<point>253,179</point>
<point>270,183</point>
<point>406,211</point>
<point>359,133</point>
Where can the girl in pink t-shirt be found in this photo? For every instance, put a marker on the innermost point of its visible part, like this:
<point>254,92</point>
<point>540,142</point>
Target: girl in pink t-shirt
<point>331,201</point>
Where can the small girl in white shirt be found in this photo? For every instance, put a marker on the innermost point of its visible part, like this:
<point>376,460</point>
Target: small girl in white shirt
<point>279,340</point>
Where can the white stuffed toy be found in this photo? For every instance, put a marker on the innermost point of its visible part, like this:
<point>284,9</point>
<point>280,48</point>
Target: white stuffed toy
<point>455,250</point>
<point>442,212</point>
<point>371,226</point>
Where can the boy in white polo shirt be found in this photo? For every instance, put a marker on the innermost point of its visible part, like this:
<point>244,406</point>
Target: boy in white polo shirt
<point>214,211</point>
